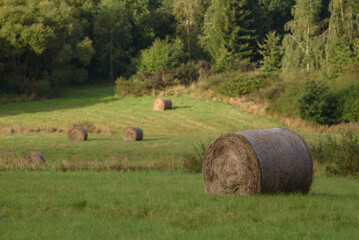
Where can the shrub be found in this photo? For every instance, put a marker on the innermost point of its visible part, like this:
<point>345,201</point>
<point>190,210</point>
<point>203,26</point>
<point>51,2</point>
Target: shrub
<point>144,82</point>
<point>242,85</point>
<point>317,104</point>
<point>162,55</point>
<point>193,162</point>
<point>341,157</point>
<point>129,87</point>
<point>348,103</point>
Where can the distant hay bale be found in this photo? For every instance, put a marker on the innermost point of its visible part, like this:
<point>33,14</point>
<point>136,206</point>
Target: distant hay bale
<point>132,134</point>
<point>162,104</point>
<point>34,157</point>
<point>77,134</point>
<point>258,161</point>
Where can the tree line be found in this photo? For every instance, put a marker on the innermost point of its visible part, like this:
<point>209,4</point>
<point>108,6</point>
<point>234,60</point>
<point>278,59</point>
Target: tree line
<point>46,45</point>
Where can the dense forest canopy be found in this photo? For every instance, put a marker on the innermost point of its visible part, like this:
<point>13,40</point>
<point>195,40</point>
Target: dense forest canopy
<point>46,45</point>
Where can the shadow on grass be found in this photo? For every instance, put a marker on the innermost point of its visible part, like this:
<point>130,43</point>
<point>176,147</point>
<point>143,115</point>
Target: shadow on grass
<point>70,99</point>
<point>178,107</point>
<point>154,139</point>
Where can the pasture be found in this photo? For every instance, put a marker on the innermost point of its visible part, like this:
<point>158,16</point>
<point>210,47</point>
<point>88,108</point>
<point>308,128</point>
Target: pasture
<point>108,188</point>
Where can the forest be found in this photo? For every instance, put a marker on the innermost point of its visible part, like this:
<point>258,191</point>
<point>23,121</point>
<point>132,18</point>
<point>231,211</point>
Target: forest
<point>301,56</point>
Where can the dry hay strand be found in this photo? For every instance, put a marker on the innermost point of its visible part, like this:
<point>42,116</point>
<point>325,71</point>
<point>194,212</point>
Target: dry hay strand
<point>132,134</point>
<point>161,104</point>
<point>34,157</point>
<point>258,161</point>
<point>77,134</point>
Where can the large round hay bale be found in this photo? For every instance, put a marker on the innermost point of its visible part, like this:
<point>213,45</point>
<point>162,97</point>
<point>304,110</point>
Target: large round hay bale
<point>258,161</point>
<point>132,134</point>
<point>77,134</point>
<point>34,157</point>
<point>162,104</point>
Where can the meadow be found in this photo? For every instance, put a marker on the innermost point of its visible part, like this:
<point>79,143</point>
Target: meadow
<point>108,188</point>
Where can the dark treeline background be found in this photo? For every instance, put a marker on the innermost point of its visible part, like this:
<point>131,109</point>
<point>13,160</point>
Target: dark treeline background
<point>47,45</point>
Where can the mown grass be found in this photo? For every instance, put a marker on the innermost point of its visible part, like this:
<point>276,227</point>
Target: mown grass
<point>168,205</point>
<point>168,136</point>
<point>115,192</point>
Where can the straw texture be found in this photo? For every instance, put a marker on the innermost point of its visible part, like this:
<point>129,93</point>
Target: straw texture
<point>258,161</point>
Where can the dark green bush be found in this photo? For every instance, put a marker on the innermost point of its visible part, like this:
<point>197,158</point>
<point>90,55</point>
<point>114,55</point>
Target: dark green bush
<point>340,156</point>
<point>348,106</point>
<point>317,104</point>
<point>242,85</point>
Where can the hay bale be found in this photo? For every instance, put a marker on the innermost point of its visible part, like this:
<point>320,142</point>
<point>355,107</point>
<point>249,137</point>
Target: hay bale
<point>132,134</point>
<point>162,104</point>
<point>258,161</point>
<point>77,134</point>
<point>34,157</point>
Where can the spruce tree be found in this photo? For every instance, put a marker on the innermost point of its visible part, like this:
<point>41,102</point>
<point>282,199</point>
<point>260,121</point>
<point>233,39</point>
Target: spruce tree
<point>227,34</point>
<point>272,52</point>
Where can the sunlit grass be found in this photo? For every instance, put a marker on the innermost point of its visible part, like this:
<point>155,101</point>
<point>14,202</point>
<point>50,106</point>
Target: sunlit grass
<point>168,205</point>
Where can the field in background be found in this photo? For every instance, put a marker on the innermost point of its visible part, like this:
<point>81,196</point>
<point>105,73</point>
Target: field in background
<point>168,136</point>
<point>118,202</point>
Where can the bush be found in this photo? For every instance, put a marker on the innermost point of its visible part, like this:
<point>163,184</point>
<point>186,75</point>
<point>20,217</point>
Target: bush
<point>162,55</point>
<point>348,103</point>
<point>143,83</point>
<point>317,104</point>
<point>242,85</point>
<point>341,157</point>
<point>130,87</point>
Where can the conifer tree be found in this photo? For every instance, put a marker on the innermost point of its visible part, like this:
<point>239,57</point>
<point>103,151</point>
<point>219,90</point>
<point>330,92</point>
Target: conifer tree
<point>227,34</point>
<point>272,52</point>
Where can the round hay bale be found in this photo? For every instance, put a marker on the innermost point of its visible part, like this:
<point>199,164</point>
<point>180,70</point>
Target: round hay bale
<point>258,161</point>
<point>132,134</point>
<point>162,104</point>
<point>34,157</point>
<point>77,134</point>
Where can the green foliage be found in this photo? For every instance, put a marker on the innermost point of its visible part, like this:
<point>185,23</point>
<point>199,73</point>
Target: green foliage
<point>272,16</point>
<point>39,36</point>
<point>193,162</point>
<point>112,31</point>
<point>242,85</point>
<point>340,156</point>
<point>190,16</point>
<point>162,55</point>
<point>317,104</point>
<point>304,44</point>
<point>130,87</point>
<point>227,32</point>
<point>272,52</point>
<point>143,83</point>
<point>85,51</point>
<point>342,36</point>
<point>348,103</point>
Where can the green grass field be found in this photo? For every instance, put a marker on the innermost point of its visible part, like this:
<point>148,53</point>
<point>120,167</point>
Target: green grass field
<point>167,135</point>
<point>167,205</point>
<point>107,188</point>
